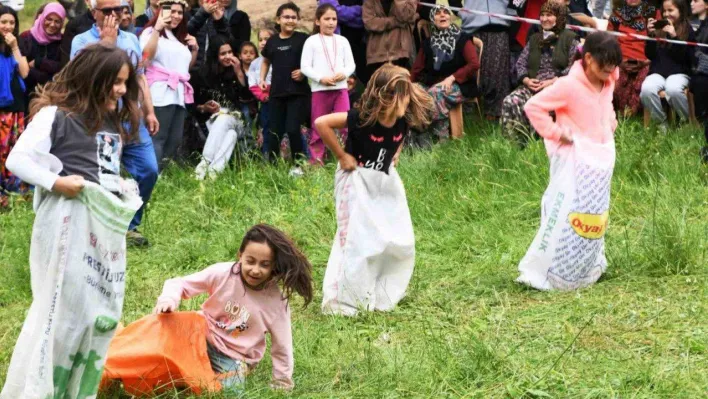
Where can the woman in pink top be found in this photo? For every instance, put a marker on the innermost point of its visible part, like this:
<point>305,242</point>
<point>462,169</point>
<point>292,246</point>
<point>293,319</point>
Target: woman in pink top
<point>168,52</point>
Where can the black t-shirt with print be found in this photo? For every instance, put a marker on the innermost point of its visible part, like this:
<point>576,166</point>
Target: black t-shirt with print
<point>374,146</point>
<point>284,56</point>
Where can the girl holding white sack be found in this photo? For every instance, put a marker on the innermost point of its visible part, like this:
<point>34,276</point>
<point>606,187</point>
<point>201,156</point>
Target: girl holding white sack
<point>373,253</point>
<point>71,152</point>
<point>569,249</point>
<point>220,82</point>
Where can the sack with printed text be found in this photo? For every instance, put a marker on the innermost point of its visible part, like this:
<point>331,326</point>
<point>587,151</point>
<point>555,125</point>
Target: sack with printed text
<point>373,253</point>
<point>568,251</point>
<point>77,268</point>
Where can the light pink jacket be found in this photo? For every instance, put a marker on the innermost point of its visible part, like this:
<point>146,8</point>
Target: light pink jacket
<point>581,110</point>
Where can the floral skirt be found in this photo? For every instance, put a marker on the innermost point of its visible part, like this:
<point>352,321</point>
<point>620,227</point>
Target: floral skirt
<point>627,89</point>
<point>12,124</point>
<point>515,124</point>
<point>444,101</point>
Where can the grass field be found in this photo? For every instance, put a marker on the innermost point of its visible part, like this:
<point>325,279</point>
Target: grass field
<point>465,329</point>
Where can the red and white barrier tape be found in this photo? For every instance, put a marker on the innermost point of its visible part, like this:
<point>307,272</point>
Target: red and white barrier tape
<point>571,27</point>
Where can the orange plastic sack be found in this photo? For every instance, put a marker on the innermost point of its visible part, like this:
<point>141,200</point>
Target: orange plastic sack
<point>161,352</point>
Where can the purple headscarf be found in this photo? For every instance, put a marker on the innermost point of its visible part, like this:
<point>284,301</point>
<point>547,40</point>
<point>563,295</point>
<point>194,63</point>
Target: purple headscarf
<point>38,32</point>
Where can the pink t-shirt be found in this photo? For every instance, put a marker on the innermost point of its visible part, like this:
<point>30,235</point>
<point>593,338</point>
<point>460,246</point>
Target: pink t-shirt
<point>239,317</point>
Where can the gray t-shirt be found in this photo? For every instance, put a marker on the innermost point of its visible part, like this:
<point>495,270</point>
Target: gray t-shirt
<point>95,157</point>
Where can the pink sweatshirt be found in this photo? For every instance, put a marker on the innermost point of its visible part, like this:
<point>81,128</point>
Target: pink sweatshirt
<point>239,317</point>
<point>580,109</point>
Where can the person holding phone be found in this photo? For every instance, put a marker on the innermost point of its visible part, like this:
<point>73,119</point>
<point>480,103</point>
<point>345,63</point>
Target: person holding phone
<point>670,69</point>
<point>206,24</point>
<point>169,51</point>
<point>631,17</point>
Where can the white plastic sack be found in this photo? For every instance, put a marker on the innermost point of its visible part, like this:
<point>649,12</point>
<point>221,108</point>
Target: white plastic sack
<point>77,266</point>
<point>569,249</point>
<point>373,253</point>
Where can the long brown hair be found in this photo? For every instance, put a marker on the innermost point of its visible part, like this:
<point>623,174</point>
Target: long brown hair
<point>388,86</point>
<point>83,88</point>
<point>180,31</point>
<point>291,267</point>
<point>4,48</point>
<point>683,26</point>
<point>321,10</point>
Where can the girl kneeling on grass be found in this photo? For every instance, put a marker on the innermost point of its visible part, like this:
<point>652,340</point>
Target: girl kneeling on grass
<point>569,249</point>
<point>71,153</point>
<point>373,253</point>
<point>245,302</point>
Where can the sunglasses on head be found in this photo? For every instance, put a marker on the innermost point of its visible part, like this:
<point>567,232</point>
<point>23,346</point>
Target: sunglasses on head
<point>111,10</point>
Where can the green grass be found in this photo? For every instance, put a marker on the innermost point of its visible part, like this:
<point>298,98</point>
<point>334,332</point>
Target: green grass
<point>465,329</point>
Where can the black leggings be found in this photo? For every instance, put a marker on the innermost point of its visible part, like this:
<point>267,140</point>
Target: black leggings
<point>699,88</point>
<point>287,114</point>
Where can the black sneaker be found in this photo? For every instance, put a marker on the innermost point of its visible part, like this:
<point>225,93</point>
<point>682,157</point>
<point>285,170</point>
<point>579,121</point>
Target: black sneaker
<point>135,239</point>
<point>704,154</point>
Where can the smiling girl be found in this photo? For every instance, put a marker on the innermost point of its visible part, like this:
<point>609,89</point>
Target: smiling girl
<point>670,63</point>
<point>13,69</point>
<point>76,136</point>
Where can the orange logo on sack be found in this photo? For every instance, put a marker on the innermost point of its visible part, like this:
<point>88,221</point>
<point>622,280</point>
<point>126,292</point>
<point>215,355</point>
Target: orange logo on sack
<point>588,225</point>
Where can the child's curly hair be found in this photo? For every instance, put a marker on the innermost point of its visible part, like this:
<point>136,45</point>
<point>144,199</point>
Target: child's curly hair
<point>388,86</point>
<point>291,267</point>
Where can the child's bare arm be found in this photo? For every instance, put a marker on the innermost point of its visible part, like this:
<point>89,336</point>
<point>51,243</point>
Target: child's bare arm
<point>325,126</point>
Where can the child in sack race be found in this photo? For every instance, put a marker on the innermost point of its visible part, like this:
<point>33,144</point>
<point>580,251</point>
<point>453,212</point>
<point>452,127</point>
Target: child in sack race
<point>71,152</point>
<point>568,251</point>
<point>373,253</point>
<point>245,302</point>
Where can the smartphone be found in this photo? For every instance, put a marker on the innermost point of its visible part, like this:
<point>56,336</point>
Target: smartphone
<point>660,24</point>
<point>166,11</point>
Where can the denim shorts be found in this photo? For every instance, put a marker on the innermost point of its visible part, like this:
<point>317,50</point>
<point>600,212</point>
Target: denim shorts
<point>230,372</point>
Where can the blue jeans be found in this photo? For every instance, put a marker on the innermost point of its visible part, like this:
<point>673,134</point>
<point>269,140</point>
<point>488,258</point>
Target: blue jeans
<point>231,372</point>
<point>247,117</point>
<point>139,160</point>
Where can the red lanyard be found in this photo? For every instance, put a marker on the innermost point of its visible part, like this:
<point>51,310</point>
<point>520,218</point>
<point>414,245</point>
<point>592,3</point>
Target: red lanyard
<point>331,62</point>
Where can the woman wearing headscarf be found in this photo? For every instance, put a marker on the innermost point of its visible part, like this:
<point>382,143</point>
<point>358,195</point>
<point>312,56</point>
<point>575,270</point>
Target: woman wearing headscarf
<point>548,55</point>
<point>495,65</point>
<point>127,23</point>
<point>40,45</point>
<point>447,64</point>
<point>631,17</point>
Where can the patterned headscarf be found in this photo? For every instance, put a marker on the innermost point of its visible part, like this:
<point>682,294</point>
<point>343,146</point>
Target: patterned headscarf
<point>557,9</point>
<point>443,41</point>
<point>633,16</point>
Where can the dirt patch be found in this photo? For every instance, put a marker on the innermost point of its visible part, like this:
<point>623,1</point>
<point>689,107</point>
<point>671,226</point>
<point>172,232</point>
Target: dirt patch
<point>259,10</point>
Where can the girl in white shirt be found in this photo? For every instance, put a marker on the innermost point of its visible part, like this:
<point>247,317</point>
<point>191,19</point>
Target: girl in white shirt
<point>169,51</point>
<point>327,61</point>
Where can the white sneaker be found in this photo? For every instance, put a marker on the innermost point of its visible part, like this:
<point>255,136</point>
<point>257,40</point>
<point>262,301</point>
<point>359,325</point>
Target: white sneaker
<point>201,170</point>
<point>296,172</point>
